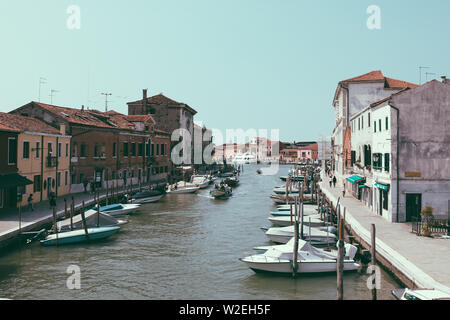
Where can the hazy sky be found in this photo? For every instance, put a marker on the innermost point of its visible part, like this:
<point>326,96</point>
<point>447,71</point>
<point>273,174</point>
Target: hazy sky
<point>261,64</point>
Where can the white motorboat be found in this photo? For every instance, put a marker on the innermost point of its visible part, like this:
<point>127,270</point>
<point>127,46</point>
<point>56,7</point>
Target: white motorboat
<point>278,259</point>
<point>147,196</point>
<point>420,294</point>
<point>246,158</point>
<point>282,190</point>
<point>92,220</point>
<point>316,237</point>
<point>201,181</point>
<point>182,187</point>
<point>307,208</point>
<point>118,209</point>
<point>285,221</point>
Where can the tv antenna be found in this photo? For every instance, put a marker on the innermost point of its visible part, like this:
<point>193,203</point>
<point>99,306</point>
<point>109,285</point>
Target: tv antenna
<point>52,93</point>
<point>106,100</point>
<point>427,74</point>
<point>420,71</point>
<point>42,81</point>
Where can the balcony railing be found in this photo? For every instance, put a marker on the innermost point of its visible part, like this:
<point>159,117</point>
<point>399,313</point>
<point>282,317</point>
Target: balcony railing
<point>52,162</point>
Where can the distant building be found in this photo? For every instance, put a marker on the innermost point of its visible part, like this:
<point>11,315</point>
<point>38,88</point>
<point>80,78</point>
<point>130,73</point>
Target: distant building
<point>295,152</point>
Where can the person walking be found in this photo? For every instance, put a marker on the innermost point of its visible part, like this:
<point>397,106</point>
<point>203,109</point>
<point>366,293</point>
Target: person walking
<point>334,181</point>
<point>343,190</point>
<point>30,202</point>
<point>331,182</point>
<point>52,199</point>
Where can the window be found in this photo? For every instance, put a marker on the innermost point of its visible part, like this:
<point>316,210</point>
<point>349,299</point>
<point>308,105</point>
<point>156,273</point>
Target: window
<point>379,125</point>
<point>26,150</point>
<point>157,149</point>
<point>59,149</point>
<point>166,169</point>
<point>58,179</point>
<point>353,158</point>
<point>66,178</point>
<point>133,149</point>
<point>83,149</point>
<point>386,162</point>
<point>153,149</point>
<point>387,123</point>
<point>362,122</point>
<point>140,149</point>
<point>38,151</point>
<point>50,148</point>
<point>12,151</point>
<point>125,149</point>
<point>73,179</point>
<point>37,183</point>
<point>359,123</point>
<point>96,150</point>
<point>374,126</point>
<point>67,149</point>
<point>377,161</point>
<point>162,149</point>
<point>147,149</point>
<point>114,152</point>
<point>368,121</point>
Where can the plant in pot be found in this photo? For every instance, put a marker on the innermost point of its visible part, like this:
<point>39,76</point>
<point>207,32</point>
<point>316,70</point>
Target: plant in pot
<point>427,217</point>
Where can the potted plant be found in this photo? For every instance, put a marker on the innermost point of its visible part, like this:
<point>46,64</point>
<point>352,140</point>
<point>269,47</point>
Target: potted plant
<point>427,217</point>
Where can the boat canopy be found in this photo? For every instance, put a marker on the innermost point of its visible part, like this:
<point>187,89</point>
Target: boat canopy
<point>91,220</point>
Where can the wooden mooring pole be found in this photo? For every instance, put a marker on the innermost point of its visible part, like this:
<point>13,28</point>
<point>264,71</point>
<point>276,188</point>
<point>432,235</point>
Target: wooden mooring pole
<point>296,236</point>
<point>83,219</point>
<point>340,262</point>
<point>374,262</point>
<point>72,211</point>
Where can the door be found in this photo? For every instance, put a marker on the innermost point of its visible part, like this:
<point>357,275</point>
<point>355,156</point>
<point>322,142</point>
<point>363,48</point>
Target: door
<point>413,206</point>
<point>380,205</point>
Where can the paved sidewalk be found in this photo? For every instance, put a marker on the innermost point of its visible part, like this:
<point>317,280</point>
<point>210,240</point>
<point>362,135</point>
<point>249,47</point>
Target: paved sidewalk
<point>423,260</point>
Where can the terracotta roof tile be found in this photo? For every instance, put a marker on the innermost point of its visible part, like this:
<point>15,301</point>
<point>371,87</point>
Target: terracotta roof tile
<point>371,76</point>
<point>22,123</point>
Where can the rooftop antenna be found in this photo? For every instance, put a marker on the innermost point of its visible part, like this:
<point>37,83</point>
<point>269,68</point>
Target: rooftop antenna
<point>106,100</point>
<point>420,71</point>
<point>42,81</point>
<point>52,93</point>
<point>428,73</point>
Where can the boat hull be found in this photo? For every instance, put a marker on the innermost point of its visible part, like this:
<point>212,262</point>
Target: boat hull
<point>285,266</point>
<point>79,236</point>
<point>181,191</point>
<point>148,199</point>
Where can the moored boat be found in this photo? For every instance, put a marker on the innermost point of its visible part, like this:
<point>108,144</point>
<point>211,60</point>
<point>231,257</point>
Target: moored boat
<point>93,220</point>
<point>78,236</point>
<point>278,259</point>
<point>315,236</point>
<point>147,196</point>
<point>118,209</point>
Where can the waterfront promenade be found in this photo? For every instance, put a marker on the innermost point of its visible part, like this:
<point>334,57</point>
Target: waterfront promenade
<point>424,261</point>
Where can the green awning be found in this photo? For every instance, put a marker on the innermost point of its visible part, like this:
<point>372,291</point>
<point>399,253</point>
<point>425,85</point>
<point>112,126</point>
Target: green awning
<point>355,179</point>
<point>381,186</point>
<point>363,186</point>
<point>13,180</point>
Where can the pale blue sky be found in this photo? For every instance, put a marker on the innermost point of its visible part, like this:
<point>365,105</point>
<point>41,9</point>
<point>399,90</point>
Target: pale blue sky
<point>240,64</point>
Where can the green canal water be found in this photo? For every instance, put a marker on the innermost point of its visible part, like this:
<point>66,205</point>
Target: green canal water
<point>184,247</point>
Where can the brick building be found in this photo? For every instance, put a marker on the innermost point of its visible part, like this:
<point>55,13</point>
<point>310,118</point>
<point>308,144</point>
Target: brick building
<point>106,147</point>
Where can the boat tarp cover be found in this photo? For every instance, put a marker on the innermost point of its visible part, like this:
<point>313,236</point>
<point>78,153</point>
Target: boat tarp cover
<point>91,220</point>
<point>286,251</point>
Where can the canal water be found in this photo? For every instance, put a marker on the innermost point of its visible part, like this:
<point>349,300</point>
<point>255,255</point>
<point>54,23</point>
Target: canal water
<point>184,247</point>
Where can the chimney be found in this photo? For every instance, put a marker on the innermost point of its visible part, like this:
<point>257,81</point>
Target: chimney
<point>444,79</point>
<point>62,129</point>
<point>82,108</point>
<point>144,94</point>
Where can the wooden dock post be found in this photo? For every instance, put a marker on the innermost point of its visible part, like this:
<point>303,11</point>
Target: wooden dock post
<point>107,193</point>
<point>65,208</point>
<point>302,236</point>
<point>296,236</point>
<point>55,226</point>
<point>72,211</point>
<point>98,211</point>
<point>340,262</point>
<point>83,219</point>
<point>374,261</point>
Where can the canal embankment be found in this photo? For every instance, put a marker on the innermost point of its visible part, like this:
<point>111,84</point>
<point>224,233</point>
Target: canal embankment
<point>417,262</point>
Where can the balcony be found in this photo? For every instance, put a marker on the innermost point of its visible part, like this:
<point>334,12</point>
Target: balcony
<point>52,162</point>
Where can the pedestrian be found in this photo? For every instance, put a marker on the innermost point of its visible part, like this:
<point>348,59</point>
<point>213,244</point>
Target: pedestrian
<point>343,190</point>
<point>85,184</point>
<point>331,182</point>
<point>30,202</point>
<point>52,198</point>
<point>334,181</point>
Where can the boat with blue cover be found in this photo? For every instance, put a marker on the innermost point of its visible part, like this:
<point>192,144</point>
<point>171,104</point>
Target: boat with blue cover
<point>118,209</point>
